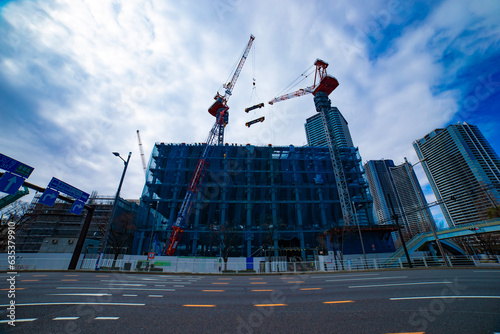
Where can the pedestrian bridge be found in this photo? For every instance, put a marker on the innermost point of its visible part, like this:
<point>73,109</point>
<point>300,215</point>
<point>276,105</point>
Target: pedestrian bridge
<point>485,226</point>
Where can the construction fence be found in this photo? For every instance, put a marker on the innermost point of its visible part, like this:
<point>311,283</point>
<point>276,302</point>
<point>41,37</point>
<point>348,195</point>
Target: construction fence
<point>172,264</point>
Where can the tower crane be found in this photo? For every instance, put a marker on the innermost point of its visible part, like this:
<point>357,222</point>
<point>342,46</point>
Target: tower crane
<point>322,87</point>
<point>219,110</point>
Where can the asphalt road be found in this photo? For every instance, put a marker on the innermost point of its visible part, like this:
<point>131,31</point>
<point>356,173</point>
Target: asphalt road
<point>403,301</point>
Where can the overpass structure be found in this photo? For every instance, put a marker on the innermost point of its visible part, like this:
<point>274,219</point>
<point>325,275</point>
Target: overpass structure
<point>485,226</point>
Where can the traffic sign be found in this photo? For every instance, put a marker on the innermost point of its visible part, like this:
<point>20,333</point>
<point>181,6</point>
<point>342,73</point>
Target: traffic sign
<point>49,197</point>
<point>10,183</point>
<point>77,207</point>
<point>63,187</point>
<point>15,166</point>
<point>151,255</point>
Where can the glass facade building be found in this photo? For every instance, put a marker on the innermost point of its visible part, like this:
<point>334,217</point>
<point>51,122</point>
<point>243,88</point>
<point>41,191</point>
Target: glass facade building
<point>315,132</point>
<point>397,187</point>
<point>463,171</point>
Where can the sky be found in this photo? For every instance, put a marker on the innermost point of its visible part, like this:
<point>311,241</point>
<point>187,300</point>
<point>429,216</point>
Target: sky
<point>79,78</point>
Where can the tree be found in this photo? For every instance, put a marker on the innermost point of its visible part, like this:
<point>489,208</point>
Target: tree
<point>225,235</point>
<point>493,212</point>
<point>15,214</point>
<point>121,230</point>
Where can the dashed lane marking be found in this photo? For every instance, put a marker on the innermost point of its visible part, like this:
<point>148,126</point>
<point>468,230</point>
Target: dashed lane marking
<point>262,290</point>
<point>396,284</point>
<point>106,318</point>
<point>339,302</point>
<point>110,288</point>
<point>69,280</point>
<point>18,320</point>
<point>342,275</point>
<point>72,275</point>
<point>80,294</point>
<point>295,282</point>
<point>362,279</point>
<point>75,303</point>
<point>193,305</point>
<point>258,283</point>
<point>156,296</point>
<point>11,289</point>
<point>269,305</point>
<point>254,278</point>
<point>30,280</point>
<point>445,297</point>
<point>219,283</point>
<point>38,275</point>
<point>307,289</point>
<point>224,279</point>
<point>213,290</point>
<point>66,318</point>
<point>127,295</point>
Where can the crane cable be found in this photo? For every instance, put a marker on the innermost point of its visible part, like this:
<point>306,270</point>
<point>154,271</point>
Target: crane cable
<point>298,80</point>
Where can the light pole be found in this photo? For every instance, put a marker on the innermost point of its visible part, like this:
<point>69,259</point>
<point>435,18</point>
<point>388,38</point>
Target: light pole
<point>430,223</point>
<point>113,212</point>
<point>359,229</point>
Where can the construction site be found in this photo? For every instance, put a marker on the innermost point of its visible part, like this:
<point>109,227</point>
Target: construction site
<point>243,200</point>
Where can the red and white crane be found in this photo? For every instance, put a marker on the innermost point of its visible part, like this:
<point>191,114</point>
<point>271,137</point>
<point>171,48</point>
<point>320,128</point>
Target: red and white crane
<point>215,137</point>
<point>322,87</point>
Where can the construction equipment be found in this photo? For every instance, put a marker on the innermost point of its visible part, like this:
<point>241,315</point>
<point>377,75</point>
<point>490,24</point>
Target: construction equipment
<point>260,105</point>
<point>322,87</point>
<point>143,159</point>
<point>260,119</point>
<point>215,137</point>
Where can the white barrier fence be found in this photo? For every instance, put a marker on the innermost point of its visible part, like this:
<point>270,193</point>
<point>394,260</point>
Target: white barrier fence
<point>137,263</point>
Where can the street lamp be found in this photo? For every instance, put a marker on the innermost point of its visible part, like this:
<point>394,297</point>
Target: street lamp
<point>430,223</point>
<point>360,205</point>
<point>113,212</point>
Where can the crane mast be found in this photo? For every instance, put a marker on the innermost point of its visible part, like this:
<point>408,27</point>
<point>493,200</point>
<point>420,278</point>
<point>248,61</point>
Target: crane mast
<point>219,110</point>
<point>322,87</point>
<point>143,159</point>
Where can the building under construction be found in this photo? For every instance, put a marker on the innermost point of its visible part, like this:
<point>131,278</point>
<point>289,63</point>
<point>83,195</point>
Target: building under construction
<point>271,198</point>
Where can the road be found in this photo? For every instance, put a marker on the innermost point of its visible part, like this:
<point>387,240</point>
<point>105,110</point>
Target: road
<point>402,301</point>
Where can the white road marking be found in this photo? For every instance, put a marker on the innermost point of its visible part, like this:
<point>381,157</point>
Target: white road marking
<point>108,288</point>
<point>159,284</point>
<point>126,295</point>
<point>445,297</point>
<point>80,294</point>
<point>157,296</point>
<point>66,318</point>
<point>106,318</point>
<point>125,284</point>
<point>487,271</point>
<point>178,286</point>
<point>75,303</point>
<point>361,279</point>
<point>17,320</point>
<point>395,284</point>
<point>341,275</point>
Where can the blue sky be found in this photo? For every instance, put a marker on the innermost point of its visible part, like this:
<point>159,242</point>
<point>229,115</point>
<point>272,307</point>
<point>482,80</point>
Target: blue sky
<point>77,79</point>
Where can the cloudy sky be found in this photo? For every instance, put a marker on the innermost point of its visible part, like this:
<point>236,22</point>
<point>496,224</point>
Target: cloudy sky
<point>78,78</point>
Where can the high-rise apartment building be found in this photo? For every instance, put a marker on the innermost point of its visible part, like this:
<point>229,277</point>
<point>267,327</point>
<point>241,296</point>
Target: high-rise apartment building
<point>463,171</point>
<point>397,187</point>
<point>315,132</point>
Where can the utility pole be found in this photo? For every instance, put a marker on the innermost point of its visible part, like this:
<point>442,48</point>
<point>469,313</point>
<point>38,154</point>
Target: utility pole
<point>396,219</point>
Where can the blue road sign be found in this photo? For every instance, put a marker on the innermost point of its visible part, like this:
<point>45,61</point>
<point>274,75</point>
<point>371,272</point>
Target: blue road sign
<point>63,187</point>
<point>15,166</point>
<point>10,183</point>
<point>49,197</point>
<point>77,207</point>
